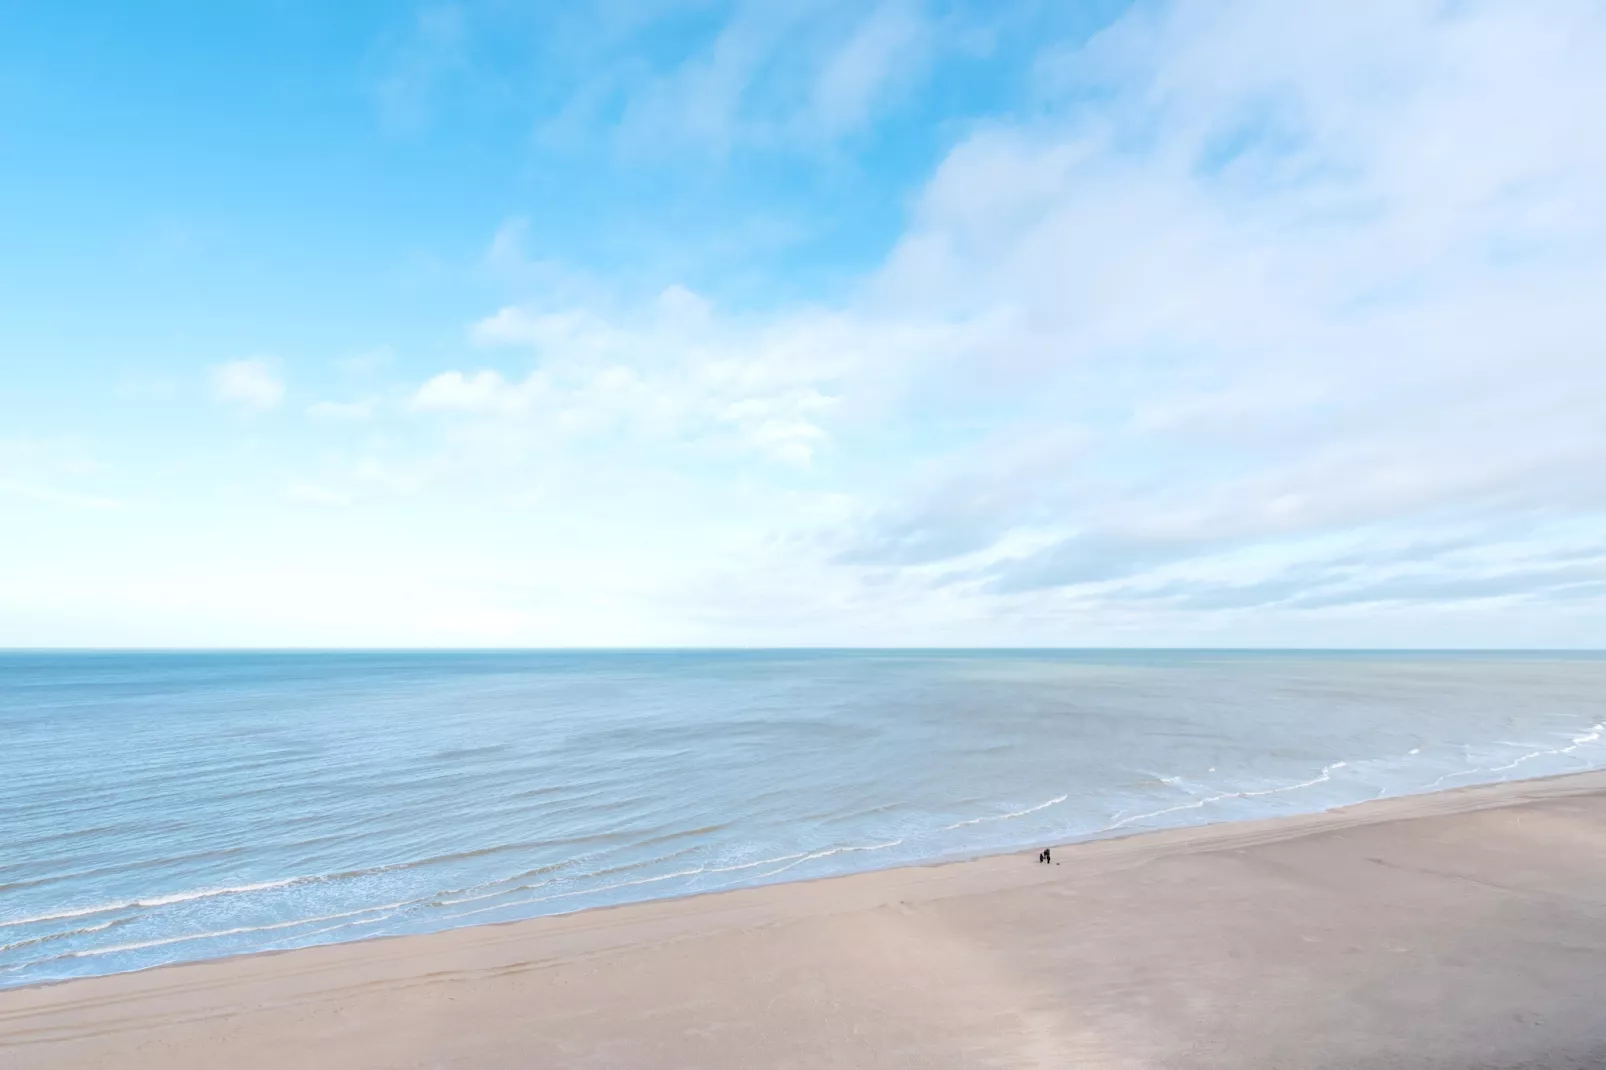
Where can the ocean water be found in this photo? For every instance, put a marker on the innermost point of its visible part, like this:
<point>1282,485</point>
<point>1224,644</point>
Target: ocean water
<point>168,807</point>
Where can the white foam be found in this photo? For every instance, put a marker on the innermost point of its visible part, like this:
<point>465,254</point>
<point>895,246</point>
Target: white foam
<point>165,941</point>
<point>1120,821</point>
<point>1202,796</point>
<point>1006,817</point>
<point>1451,776</point>
<point>62,935</point>
<point>828,853</point>
<point>209,893</point>
<point>488,895</point>
<point>1593,735</point>
<point>790,860</point>
<point>300,940</point>
<point>583,891</point>
<point>755,865</point>
<point>155,901</point>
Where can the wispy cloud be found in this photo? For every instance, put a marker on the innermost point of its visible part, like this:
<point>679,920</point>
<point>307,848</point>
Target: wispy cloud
<point>252,385</point>
<point>410,64</point>
<point>780,77</point>
<point>1213,320</point>
<point>312,494</point>
<point>52,473</point>
<point>1281,302</point>
<point>478,392</point>
<point>674,373</point>
<point>54,496</point>
<point>343,411</point>
<point>1238,321</point>
<point>886,50</point>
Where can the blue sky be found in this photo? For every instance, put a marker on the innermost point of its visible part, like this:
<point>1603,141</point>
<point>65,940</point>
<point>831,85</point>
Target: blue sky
<point>1195,323</point>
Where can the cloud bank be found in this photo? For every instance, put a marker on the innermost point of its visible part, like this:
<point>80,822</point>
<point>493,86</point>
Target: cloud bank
<point>1263,309</point>
<point>1237,322</point>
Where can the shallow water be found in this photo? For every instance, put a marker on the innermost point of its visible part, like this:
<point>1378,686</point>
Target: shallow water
<point>167,807</point>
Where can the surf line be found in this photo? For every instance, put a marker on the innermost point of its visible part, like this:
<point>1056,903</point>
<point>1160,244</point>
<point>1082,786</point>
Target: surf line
<point>1325,775</point>
<point>1006,817</point>
<point>1591,736</point>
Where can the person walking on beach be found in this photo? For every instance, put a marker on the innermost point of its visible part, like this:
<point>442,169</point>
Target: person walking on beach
<point>1045,857</point>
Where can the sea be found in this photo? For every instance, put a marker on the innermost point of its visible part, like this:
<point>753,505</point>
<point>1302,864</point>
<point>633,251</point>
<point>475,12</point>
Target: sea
<point>170,807</point>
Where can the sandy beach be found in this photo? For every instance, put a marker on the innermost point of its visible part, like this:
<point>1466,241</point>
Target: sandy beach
<point>1462,929</point>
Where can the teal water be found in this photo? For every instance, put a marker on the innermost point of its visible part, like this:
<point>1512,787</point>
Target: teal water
<point>168,807</point>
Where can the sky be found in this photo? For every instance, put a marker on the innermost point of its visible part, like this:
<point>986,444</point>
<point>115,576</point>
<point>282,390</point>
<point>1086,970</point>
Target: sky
<point>1201,323</point>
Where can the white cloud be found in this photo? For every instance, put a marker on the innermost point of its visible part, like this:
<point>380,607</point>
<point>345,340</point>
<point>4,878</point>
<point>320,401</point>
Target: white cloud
<point>676,374</point>
<point>886,49</point>
<point>366,363</point>
<point>509,261</point>
<point>479,392</point>
<point>253,385</point>
<point>410,65</point>
<point>781,77</point>
<point>311,494</point>
<point>1297,272</point>
<point>343,411</point>
<point>52,473</point>
<point>517,326</point>
<point>1285,281</point>
<point>54,496</point>
<point>683,306</point>
<point>1264,323</point>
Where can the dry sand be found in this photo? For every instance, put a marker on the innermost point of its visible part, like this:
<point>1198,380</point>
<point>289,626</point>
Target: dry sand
<point>1464,929</point>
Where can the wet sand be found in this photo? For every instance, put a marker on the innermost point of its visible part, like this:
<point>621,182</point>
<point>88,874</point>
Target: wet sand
<point>1465,929</point>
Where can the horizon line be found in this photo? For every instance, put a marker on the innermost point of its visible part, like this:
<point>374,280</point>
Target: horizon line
<point>801,648</point>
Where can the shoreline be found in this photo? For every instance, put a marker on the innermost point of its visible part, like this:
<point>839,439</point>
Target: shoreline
<point>1107,835</point>
<point>1488,796</point>
<point>1190,835</point>
<point>999,901</point>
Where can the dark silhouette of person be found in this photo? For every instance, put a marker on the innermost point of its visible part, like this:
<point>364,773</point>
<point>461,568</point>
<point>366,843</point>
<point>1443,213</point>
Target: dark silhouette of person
<point>1045,856</point>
